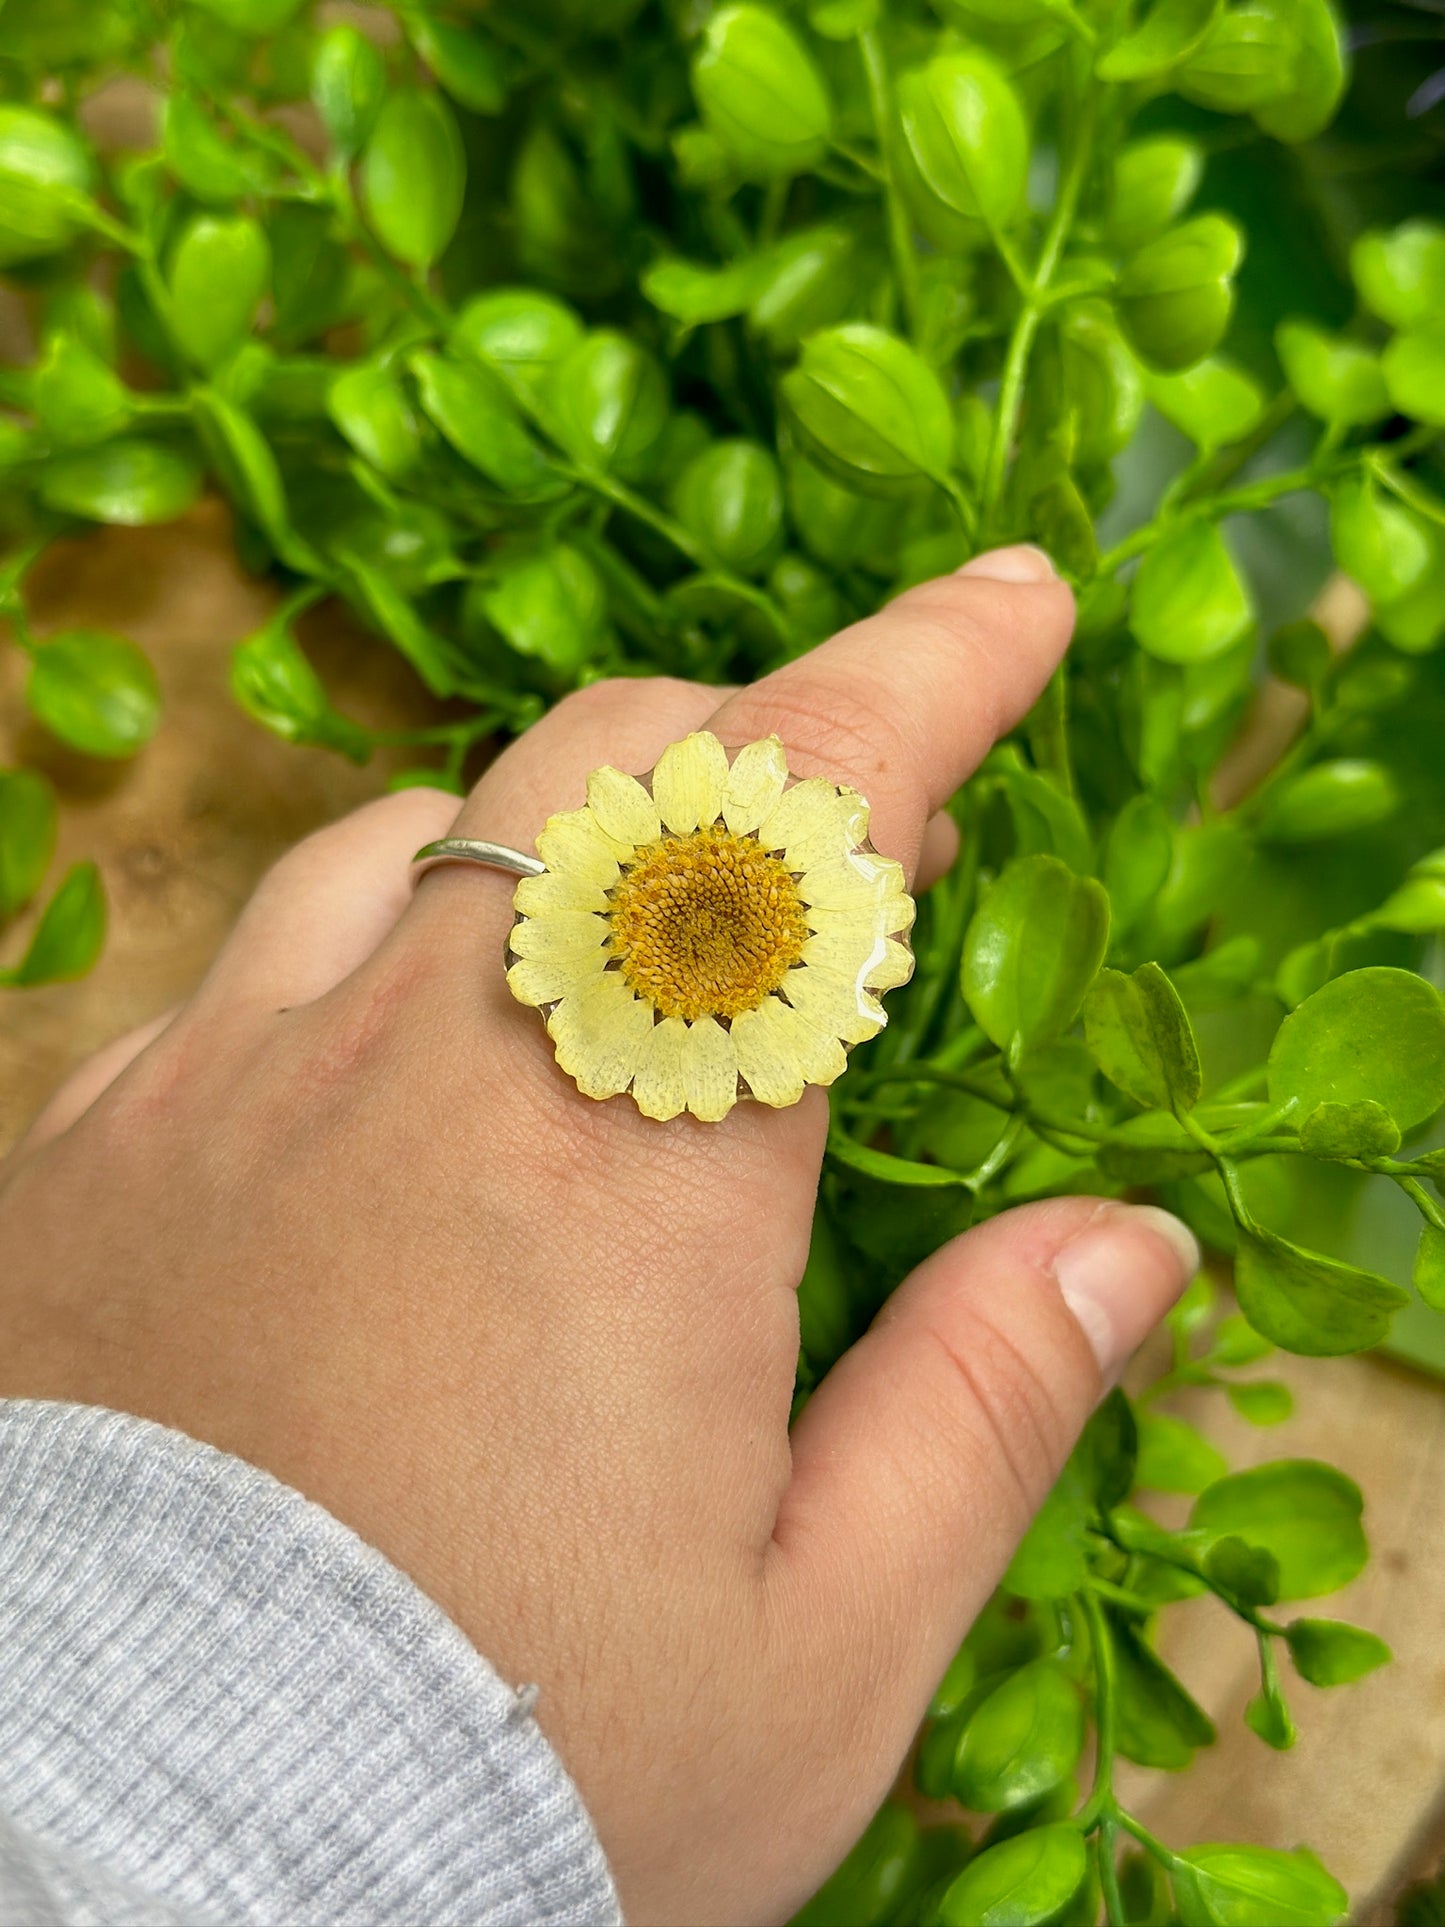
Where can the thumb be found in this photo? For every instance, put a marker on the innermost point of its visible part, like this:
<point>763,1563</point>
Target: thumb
<point>919,1462</point>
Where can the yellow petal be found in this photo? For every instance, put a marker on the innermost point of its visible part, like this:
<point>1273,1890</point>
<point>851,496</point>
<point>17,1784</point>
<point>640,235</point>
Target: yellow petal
<point>766,1055</point>
<point>660,1086</point>
<point>557,890</point>
<point>560,933</point>
<point>575,844</point>
<point>860,879</point>
<point>710,1064</point>
<point>622,807</point>
<point>755,782</point>
<point>689,780</point>
<point>542,980</point>
<point>859,957</point>
<point>600,1033</point>
<point>819,1053</point>
<point>833,1004</point>
<point>884,919</point>
<point>815,822</point>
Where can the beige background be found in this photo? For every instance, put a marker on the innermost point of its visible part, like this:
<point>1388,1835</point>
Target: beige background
<point>184,831</point>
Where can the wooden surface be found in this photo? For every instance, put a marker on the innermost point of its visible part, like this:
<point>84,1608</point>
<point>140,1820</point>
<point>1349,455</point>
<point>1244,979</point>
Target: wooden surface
<point>183,833</point>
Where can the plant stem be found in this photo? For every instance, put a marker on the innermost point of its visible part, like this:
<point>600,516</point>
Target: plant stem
<point>1016,362</point>
<point>1101,1644</point>
<point>1253,495</point>
<point>900,237</point>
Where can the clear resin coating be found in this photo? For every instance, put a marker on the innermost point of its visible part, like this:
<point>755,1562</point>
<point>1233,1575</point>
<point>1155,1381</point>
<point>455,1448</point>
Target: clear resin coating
<point>710,931</point>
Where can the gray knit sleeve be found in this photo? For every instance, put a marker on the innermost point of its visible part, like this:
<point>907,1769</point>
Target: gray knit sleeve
<point>217,1705</point>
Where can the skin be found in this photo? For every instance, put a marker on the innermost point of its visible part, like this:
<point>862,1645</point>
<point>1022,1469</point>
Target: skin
<point>342,1215</point>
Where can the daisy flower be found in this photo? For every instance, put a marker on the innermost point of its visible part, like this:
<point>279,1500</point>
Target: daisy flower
<point>710,931</point>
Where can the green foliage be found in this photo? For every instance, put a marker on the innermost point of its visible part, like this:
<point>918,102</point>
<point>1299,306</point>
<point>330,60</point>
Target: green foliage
<point>634,338</point>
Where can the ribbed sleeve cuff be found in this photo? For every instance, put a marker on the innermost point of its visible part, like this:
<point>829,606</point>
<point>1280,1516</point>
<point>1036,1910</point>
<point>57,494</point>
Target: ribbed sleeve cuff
<point>216,1693</point>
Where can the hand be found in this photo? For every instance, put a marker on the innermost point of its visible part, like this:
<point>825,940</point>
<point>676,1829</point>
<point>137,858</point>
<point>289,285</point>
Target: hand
<point>344,1216</point>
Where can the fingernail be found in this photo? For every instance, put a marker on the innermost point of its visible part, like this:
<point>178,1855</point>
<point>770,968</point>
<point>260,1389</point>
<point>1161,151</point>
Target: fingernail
<point>1022,563</point>
<point>1121,1274</point>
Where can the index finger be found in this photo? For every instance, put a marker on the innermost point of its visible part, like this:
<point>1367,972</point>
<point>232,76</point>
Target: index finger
<point>905,705</point>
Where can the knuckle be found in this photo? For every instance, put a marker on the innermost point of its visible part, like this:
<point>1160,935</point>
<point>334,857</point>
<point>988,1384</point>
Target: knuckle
<point>828,718</point>
<point>1010,1412</point>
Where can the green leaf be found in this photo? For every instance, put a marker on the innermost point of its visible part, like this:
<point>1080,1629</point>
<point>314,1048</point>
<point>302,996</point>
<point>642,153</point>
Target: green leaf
<point>432,657</point>
<point>1159,1723</point>
<point>1169,33</point>
<point>251,474</point>
<point>413,176</point>
<point>1246,1575</point>
<point>220,270</point>
<point>1428,1276</point>
<point>873,1879</point>
<point>1414,367</point>
<point>45,169</point>
<point>130,481</point>
<point>1305,1514</point>
<point>1300,653</point>
<point>250,16</point>
<point>1175,295</point>
<point>610,400</point>
<point>1237,1342</point>
<point>1415,621</point>
<point>1418,906</point>
<point>77,398</point>
<point>1139,1035</point>
<point>466,61</point>
<point>1023,1882</point>
<point>869,408</point>
<point>1189,602</point>
<point>1245,61</point>
<point>1309,1303</point>
<point>1226,1886</point>
<point>1317,81</point>
<point>521,332</point>
<point>1154,181</point>
<point>1268,1717</point>
<point>731,497</point>
<point>1021,1742</point>
<point>1033,948</point>
<point>1376,539</point>
<point>1263,1402</point>
<point>1174,1456</point>
<point>887,1168</point>
<point>1137,858</point>
<point>760,93</point>
<point>1329,800</point>
<point>1337,380</point>
<point>372,410</point>
<point>1401,274</point>
<point>842,19</point>
<point>549,604</point>
<point>98,693</point>
<point>274,683</point>
<point>694,294</point>
<point>27,836</point>
<point>68,938</point>
<point>348,84</point>
<point>966,136</point>
<point>1213,403</point>
<point>1331,1652</point>
<point>1052,1559</point>
<point>207,165</point>
<point>1363,1129</point>
<point>1376,1033</point>
<point>472,408</point>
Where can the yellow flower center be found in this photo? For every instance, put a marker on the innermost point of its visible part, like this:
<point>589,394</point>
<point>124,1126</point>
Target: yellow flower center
<point>707,924</point>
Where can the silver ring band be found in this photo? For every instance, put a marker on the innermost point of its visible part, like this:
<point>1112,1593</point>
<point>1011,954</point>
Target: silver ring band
<point>464,849</point>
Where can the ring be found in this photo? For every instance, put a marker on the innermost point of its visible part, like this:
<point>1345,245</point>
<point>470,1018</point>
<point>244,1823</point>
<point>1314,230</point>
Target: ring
<point>711,930</point>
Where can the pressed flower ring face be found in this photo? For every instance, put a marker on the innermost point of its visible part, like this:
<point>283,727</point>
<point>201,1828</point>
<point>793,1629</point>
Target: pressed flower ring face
<point>706,925</point>
<point>713,933</point>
